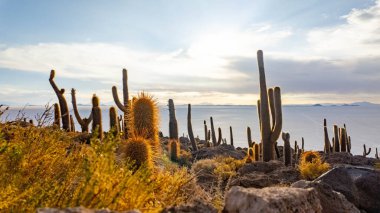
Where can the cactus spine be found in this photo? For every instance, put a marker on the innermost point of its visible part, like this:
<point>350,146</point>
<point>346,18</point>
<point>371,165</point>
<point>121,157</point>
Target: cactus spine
<point>174,150</point>
<point>249,136</point>
<point>85,122</point>
<point>57,116</point>
<point>139,151</point>
<point>145,119</point>
<point>97,117</point>
<point>173,126</point>
<point>287,149</point>
<point>365,152</point>
<point>125,108</point>
<point>231,137</point>
<point>114,121</point>
<point>214,142</point>
<point>190,129</point>
<point>65,115</point>
<point>269,134</point>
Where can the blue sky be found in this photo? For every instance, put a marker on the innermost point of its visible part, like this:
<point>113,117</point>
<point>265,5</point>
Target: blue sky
<point>193,51</point>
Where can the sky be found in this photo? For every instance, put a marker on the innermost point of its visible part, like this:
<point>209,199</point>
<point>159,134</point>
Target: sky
<point>199,51</point>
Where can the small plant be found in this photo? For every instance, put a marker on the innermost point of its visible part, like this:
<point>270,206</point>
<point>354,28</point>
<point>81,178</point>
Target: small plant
<point>311,165</point>
<point>138,151</point>
<point>174,150</point>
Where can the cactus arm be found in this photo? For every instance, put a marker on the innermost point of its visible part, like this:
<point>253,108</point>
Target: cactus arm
<point>190,129</point>
<point>365,153</point>
<point>278,116</point>
<point>272,107</point>
<point>76,112</point>
<point>117,100</point>
<point>65,116</point>
<point>125,88</point>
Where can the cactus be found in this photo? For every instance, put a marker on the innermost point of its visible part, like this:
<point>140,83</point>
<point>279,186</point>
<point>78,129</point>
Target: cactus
<point>249,136</point>
<point>72,123</point>
<point>97,117</point>
<point>139,151</point>
<point>57,116</point>
<point>296,151</point>
<point>173,126</point>
<point>250,155</point>
<point>343,140</point>
<point>303,145</point>
<point>125,108</point>
<point>214,142</point>
<point>174,150</point>
<point>219,136</point>
<point>277,150</point>
<point>206,131</point>
<point>349,144</point>
<point>114,122</point>
<point>209,135</point>
<point>269,133</point>
<point>327,140</point>
<point>231,137</point>
<point>257,152</point>
<point>365,153</point>
<point>85,122</point>
<point>287,149</point>
<point>377,154</point>
<point>145,119</point>
<point>336,139</point>
<point>65,115</point>
<point>190,129</point>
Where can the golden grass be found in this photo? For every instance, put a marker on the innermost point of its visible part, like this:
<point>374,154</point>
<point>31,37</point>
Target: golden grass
<point>311,165</point>
<point>44,167</point>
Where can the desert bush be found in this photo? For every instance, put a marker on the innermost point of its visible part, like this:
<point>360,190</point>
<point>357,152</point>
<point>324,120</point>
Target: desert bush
<point>44,167</point>
<point>311,165</point>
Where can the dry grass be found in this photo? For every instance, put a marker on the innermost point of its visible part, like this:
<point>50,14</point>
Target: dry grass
<point>311,165</point>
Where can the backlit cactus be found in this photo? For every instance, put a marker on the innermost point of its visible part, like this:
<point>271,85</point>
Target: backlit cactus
<point>85,122</point>
<point>145,119</point>
<point>72,124</point>
<point>214,142</point>
<point>65,115</point>
<point>174,150</point>
<point>190,129</point>
<point>377,154</point>
<point>114,121</point>
<point>249,137</point>
<point>267,107</point>
<point>336,145</point>
<point>327,148</point>
<point>231,137</point>
<point>365,152</point>
<point>124,107</point>
<point>96,112</point>
<point>138,150</point>
<point>287,149</point>
<point>219,136</point>
<point>256,149</point>
<point>57,116</point>
<point>206,131</point>
<point>173,125</point>
<point>343,140</point>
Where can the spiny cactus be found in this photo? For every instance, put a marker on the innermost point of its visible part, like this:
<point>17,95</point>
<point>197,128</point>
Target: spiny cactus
<point>303,145</point>
<point>97,117</point>
<point>57,116</point>
<point>365,152</point>
<point>173,126</point>
<point>85,122</point>
<point>336,145</point>
<point>145,119</point>
<point>138,150</point>
<point>174,150</point>
<point>249,136</point>
<point>231,137</point>
<point>190,129</point>
<point>287,149</point>
<point>327,140</point>
<point>72,123</point>
<point>205,129</point>
<point>377,154</point>
<point>125,108</point>
<point>65,115</point>
<point>343,140</point>
<point>349,144</point>
<point>256,148</point>
<point>219,136</point>
<point>114,126</point>
<point>268,106</point>
<point>296,151</point>
<point>214,142</point>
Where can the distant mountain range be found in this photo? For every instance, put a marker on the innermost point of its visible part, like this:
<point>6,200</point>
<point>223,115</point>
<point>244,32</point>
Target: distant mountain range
<point>363,103</point>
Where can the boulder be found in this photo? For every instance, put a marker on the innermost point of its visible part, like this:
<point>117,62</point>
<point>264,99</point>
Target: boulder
<point>338,158</point>
<point>195,207</point>
<point>331,201</point>
<point>221,150</point>
<point>271,200</point>
<point>360,185</point>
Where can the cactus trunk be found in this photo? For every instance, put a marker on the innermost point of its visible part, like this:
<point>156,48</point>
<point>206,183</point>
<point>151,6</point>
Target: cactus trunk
<point>65,115</point>
<point>287,149</point>
<point>85,122</point>
<point>125,106</point>
<point>190,129</point>
<point>97,117</point>
<point>173,126</point>
<point>214,142</point>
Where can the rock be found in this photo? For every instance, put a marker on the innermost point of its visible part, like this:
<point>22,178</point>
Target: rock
<point>265,174</point>
<point>271,200</point>
<point>221,150</point>
<point>194,207</point>
<point>338,158</point>
<point>331,201</point>
<point>80,210</point>
<point>360,185</point>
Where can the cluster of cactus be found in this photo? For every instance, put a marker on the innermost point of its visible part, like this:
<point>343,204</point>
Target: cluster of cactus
<point>341,142</point>
<point>269,106</point>
<point>85,122</point>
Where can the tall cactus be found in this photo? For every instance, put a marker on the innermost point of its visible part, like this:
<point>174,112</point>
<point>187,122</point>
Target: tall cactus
<point>336,144</point>
<point>365,152</point>
<point>190,129</point>
<point>85,122</point>
<point>57,116</point>
<point>173,126</point>
<point>65,115</point>
<point>249,136</point>
<point>287,149</point>
<point>174,150</point>
<point>256,149</point>
<point>72,124</point>
<point>114,121</point>
<point>268,106</point>
<point>326,135</point>
<point>214,142</point>
<point>97,117</point>
<point>219,136</point>
<point>231,137</point>
<point>343,140</point>
<point>206,131</point>
<point>125,108</point>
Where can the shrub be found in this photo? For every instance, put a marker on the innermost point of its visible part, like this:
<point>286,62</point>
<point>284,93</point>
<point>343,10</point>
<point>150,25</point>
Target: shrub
<point>311,165</point>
